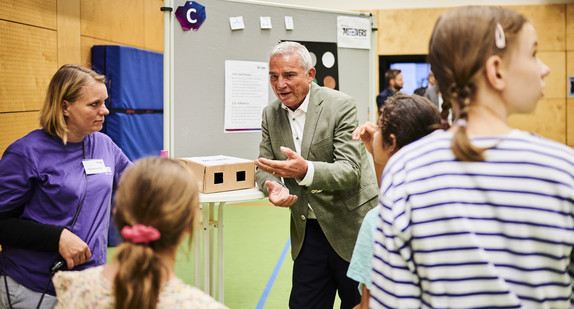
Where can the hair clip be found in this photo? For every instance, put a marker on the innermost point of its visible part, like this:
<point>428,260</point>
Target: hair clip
<point>461,123</point>
<point>499,38</point>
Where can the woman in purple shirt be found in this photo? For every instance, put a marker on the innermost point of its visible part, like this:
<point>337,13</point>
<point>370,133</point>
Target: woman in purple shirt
<point>55,190</point>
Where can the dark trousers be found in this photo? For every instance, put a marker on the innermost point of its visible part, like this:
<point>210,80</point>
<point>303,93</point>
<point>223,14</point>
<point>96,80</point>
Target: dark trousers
<point>319,272</point>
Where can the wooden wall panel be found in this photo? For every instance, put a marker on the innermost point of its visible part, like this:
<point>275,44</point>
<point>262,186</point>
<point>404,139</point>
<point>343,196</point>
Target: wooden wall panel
<point>550,23</point>
<point>153,25</point>
<point>40,13</point>
<point>405,32</point>
<point>28,61</point>
<point>555,81</point>
<point>38,36</point>
<point>570,26</point>
<point>15,125</point>
<point>569,65</point>
<point>549,120</point>
<point>68,32</point>
<point>121,22</point>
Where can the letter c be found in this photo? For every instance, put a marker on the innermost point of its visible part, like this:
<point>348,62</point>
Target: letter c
<point>193,21</point>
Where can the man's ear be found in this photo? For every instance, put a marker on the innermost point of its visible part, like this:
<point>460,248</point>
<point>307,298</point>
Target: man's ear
<point>494,72</point>
<point>311,73</point>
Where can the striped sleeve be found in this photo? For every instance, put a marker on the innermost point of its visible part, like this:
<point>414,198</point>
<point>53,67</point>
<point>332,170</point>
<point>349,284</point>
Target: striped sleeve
<point>395,283</point>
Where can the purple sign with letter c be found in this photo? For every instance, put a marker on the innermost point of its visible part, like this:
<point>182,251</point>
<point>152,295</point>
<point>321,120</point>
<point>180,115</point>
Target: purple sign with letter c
<point>191,15</point>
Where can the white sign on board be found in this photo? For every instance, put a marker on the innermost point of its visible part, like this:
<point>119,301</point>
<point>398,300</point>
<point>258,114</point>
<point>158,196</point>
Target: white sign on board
<point>246,94</point>
<point>353,32</point>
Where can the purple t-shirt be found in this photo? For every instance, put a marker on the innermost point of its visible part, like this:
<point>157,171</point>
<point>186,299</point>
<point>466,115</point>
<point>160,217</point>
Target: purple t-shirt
<point>45,177</point>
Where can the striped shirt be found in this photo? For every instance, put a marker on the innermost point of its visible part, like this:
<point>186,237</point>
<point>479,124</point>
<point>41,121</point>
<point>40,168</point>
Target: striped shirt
<point>492,234</point>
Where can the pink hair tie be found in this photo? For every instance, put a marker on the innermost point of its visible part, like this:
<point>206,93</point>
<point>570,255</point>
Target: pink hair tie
<point>140,234</point>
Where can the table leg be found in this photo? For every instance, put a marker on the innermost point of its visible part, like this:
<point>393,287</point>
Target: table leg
<point>220,251</point>
<point>211,255</point>
<point>196,250</point>
<point>206,244</point>
<point>208,201</point>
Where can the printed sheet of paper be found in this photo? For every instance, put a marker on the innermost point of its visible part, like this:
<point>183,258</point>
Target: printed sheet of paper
<point>246,94</point>
<point>353,32</point>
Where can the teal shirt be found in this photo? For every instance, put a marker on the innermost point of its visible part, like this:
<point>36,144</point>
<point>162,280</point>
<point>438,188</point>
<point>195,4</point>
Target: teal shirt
<point>361,262</point>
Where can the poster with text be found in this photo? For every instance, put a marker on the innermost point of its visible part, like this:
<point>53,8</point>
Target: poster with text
<point>246,94</point>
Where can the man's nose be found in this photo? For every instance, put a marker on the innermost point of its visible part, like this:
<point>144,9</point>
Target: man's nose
<point>281,82</point>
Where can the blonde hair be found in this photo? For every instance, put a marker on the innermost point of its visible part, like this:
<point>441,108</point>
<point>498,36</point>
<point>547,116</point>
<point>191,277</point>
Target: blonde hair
<point>67,84</point>
<point>157,192</point>
<point>462,41</point>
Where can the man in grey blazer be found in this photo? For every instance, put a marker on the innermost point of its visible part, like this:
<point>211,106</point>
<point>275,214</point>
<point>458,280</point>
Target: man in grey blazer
<point>309,163</point>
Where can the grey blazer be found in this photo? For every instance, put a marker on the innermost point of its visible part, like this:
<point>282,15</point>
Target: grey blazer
<point>344,185</point>
<point>431,93</point>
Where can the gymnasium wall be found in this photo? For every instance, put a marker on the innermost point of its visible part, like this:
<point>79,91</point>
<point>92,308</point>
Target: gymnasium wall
<point>39,36</point>
<point>407,31</point>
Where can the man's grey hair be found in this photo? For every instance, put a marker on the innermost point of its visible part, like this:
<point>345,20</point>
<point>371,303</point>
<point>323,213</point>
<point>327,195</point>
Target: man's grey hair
<point>288,48</point>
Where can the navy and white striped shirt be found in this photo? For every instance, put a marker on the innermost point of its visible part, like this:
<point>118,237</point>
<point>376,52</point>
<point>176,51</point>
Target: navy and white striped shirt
<point>492,234</point>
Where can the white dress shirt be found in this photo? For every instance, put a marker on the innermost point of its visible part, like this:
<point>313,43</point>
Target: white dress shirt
<point>297,121</point>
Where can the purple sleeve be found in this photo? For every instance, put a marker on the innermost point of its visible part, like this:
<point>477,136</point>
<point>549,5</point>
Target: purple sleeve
<point>122,162</point>
<point>17,175</point>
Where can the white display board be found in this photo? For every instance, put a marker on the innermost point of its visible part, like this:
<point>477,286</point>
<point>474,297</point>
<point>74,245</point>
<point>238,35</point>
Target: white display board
<point>198,60</point>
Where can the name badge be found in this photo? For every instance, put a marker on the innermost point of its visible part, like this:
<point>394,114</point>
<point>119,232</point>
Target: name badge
<point>95,166</point>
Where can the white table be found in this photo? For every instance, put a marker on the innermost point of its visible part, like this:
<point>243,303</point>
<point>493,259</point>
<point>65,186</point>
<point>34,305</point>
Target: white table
<point>208,225</point>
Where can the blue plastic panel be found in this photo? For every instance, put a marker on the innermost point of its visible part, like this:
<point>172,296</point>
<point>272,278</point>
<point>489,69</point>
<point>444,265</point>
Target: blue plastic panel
<point>134,78</point>
<point>138,135</point>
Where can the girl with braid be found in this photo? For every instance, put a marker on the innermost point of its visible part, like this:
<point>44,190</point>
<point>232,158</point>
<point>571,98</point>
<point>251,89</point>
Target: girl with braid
<point>480,215</point>
<point>157,204</point>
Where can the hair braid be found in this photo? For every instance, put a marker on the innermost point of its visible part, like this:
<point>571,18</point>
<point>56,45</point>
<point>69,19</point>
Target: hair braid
<point>461,145</point>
